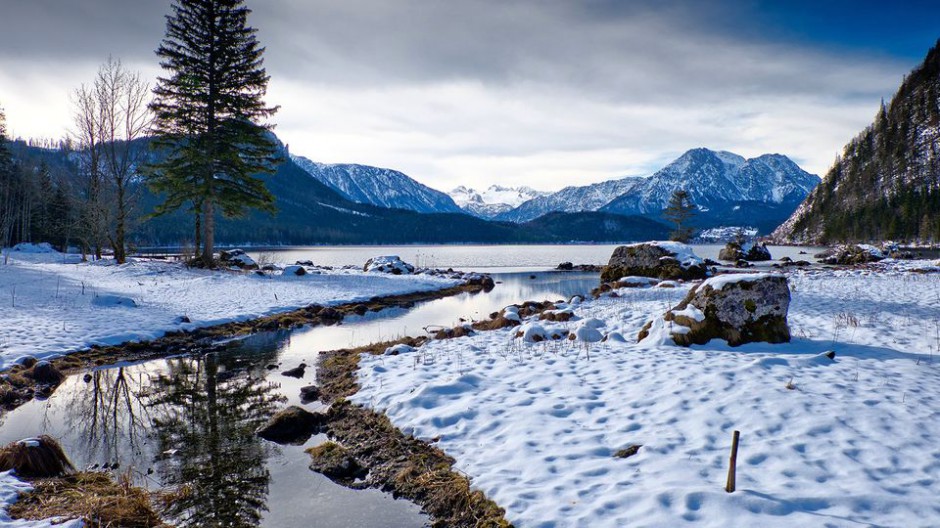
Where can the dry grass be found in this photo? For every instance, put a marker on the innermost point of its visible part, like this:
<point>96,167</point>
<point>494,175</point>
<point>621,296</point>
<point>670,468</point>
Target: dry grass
<point>90,496</point>
<point>35,458</point>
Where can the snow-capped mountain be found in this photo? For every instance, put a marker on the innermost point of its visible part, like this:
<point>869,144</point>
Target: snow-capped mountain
<point>494,200</point>
<point>716,179</point>
<point>377,186</point>
<point>571,199</point>
<point>725,187</point>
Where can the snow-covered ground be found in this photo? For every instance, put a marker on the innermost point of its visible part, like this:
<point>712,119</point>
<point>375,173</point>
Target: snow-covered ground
<point>850,442</point>
<point>51,304</point>
<point>10,489</point>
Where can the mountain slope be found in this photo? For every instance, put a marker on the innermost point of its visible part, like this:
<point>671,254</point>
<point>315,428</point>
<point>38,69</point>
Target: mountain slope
<point>886,184</point>
<point>571,199</point>
<point>377,186</point>
<point>494,200</point>
<point>727,189</point>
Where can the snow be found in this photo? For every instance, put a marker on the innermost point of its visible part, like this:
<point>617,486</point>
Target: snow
<point>389,264</point>
<point>10,488</point>
<point>26,247</point>
<point>719,282</point>
<point>50,304</point>
<point>690,312</point>
<point>844,442</point>
<point>635,281</point>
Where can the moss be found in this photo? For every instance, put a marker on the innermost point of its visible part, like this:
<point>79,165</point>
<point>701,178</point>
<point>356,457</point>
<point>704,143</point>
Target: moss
<point>750,305</point>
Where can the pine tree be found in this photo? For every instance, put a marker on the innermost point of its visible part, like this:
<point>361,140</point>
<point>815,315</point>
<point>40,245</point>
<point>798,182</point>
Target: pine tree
<point>209,115</point>
<point>679,211</point>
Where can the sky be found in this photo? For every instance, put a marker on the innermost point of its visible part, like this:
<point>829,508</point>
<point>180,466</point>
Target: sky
<point>544,93</point>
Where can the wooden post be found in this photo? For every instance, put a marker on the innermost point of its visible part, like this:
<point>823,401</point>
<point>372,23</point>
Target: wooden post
<point>734,462</point>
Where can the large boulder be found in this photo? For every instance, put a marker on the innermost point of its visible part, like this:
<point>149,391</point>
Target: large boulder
<point>662,260</point>
<point>238,258</point>
<point>852,254</point>
<point>293,425</point>
<point>735,251</point>
<point>388,264</point>
<point>741,308</point>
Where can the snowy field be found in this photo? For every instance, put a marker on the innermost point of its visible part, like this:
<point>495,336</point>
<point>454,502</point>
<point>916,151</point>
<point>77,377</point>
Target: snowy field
<point>844,443</point>
<point>50,304</point>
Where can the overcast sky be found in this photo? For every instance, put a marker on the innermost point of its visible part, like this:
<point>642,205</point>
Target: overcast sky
<point>530,92</point>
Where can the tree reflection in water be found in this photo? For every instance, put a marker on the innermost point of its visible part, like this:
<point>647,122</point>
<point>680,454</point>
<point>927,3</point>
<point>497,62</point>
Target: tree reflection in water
<point>204,412</point>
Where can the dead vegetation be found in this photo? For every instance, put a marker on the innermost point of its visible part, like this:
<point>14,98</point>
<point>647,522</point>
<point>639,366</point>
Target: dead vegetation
<point>91,496</point>
<point>35,458</point>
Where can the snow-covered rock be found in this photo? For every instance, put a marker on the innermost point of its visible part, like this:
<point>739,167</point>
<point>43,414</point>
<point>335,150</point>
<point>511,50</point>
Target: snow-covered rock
<point>26,247</point>
<point>238,258</point>
<point>400,348</point>
<point>113,300</point>
<point>740,309</point>
<point>294,270</point>
<point>388,264</point>
<point>851,254</point>
<point>662,260</point>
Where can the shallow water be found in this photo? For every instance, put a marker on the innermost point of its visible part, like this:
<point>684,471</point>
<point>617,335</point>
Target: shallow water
<point>190,421</point>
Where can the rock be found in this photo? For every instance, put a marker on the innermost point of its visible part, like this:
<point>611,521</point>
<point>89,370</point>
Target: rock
<point>740,309</point>
<point>238,258</point>
<point>27,361</point>
<point>296,372</point>
<point>45,373</point>
<point>298,271</point>
<point>304,263</point>
<point>850,255</point>
<point>269,267</point>
<point>741,263</point>
<point>628,451</point>
<point>388,264</point>
<point>565,266</point>
<point>335,462</point>
<point>662,260</point>
<point>309,393</point>
<point>293,425</point>
<point>733,252</point>
<point>756,252</point>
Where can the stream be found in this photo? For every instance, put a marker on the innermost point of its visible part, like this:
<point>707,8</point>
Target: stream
<point>188,423</point>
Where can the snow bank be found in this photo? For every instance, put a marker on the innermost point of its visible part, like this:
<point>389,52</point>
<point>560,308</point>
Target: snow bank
<point>53,307</point>
<point>850,442</point>
<point>10,488</point>
<point>26,247</point>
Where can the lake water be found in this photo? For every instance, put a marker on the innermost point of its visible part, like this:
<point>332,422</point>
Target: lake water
<point>190,421</point>
<point>492,259</point>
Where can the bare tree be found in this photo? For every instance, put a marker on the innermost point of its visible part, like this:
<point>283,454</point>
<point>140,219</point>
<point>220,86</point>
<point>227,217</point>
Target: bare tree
<point>111,115</point>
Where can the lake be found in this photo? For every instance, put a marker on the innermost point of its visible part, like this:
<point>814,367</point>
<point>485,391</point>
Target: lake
<point>485,258</point>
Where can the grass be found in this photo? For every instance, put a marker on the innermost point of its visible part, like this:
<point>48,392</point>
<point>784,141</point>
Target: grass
<point>91,496</point>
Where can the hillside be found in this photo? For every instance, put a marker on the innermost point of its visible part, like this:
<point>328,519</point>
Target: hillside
<point>886,183</point>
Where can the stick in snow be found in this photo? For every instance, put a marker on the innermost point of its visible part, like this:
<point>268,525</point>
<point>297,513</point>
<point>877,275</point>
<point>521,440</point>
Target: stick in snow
<point>734,461</point>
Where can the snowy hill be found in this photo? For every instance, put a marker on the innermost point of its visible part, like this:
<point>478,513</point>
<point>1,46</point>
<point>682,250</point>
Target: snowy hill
<point>494,200</point>
<point>571,199</point>
<point>377,186</point>
<point>725,187</point>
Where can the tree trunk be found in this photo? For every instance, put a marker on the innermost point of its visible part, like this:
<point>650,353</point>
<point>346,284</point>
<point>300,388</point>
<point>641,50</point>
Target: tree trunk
<point>120,255</point>
<point>208,223</point>
<point>198,239</point>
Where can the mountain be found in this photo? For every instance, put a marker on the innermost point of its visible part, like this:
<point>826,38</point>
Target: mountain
<point>494,200</point>
<point>310,212</point>
<point>570,199</point>
<point>596,227</point>
<point>886,183</point>
<point>727,189</point>
<point>376,186</point>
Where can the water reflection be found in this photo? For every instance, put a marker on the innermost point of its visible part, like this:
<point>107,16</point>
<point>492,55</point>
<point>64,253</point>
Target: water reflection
<point>204,422</point>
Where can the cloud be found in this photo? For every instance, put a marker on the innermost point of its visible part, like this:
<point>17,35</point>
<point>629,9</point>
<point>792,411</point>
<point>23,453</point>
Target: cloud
<point>542,93</point>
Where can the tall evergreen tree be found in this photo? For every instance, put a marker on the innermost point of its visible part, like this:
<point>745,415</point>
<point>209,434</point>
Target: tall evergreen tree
<point>209,115</point>
<point>679,210</point>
